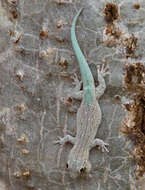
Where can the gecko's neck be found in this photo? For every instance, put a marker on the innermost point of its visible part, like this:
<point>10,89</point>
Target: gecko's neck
<point>87,78</point>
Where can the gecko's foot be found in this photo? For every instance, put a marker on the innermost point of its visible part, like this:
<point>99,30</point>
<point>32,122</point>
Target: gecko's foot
<point>67,101</point>
<point>76,82</point>
<point>61,141</point>
<point>104,70</point>
<point>102,145</point>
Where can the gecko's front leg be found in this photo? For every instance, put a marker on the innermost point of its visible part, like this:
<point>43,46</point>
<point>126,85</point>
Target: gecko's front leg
<point>65,139</point>
<point>101,144</point>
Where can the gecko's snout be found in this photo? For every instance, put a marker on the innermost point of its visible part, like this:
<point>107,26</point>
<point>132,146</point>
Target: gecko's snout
<point>82,170</point>
<point>78,169</point>
<point>76,173</point>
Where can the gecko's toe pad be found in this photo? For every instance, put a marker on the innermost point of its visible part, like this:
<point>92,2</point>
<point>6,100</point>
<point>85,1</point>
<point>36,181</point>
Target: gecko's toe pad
<point>60,141</point>
<point>104,147</point>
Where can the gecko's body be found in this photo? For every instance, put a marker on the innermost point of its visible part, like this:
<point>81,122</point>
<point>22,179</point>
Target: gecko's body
<point>88,115</point>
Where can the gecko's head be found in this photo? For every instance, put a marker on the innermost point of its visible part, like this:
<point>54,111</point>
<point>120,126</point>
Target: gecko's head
<point>78,167</point>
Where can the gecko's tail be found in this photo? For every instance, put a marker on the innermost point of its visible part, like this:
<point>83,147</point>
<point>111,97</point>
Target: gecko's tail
<point>77,15</point>
<point>87,78</point>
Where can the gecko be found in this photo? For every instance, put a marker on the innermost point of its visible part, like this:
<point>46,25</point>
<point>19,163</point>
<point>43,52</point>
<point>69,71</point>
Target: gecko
<point>88,115</point>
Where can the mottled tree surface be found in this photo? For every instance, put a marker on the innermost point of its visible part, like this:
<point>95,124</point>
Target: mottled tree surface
<point>36,66</point>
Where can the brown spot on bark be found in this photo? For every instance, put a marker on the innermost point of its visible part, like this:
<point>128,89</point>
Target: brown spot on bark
<point>112,30</point>
<point>131,44</point>
<point>136,5</point>
<point>111,12</point>
<point>133,125</point>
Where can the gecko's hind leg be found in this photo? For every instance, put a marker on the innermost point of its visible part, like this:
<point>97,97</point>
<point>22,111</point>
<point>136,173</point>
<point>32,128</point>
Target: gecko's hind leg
<point>76,82</point>
<point>63,140</point>
<point>101,144</point>
<point>76,93</point>
<point>73,93</point>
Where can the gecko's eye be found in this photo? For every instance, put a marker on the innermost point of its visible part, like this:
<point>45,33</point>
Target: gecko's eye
<point>67,165</point>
